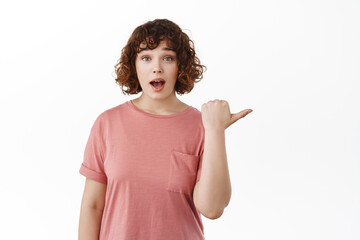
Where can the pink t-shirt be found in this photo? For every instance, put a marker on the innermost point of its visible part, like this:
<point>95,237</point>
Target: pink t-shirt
<point>150,164</point>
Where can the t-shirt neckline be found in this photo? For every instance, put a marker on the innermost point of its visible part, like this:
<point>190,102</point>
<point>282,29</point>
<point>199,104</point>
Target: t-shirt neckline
<point>133,107</point>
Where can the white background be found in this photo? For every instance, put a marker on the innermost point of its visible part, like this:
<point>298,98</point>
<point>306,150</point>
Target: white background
<point>294,161</point>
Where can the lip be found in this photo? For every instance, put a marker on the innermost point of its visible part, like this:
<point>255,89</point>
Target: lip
<point>157,79</point>
<point>158,89</point>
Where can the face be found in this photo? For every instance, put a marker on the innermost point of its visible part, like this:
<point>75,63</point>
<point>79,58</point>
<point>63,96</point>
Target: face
<point>157,63</point>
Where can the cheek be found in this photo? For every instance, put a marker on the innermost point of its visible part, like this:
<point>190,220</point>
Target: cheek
<point>139,72</point>
<point>175,70</point>
<point>139,69</point>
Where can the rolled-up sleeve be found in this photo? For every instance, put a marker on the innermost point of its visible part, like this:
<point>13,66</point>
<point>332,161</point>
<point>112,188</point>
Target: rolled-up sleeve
<point>93,161</point>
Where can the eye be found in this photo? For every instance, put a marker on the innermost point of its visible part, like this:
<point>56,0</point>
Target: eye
<point>144,57</point>
<point>170,57</point>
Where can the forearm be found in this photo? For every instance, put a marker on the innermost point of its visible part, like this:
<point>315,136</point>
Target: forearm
<point>214,188</point>
<point>89,223</point>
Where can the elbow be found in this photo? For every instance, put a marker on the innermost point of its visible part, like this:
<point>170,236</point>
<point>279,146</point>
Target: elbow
<point>213,214</point>
<point>218,212</point>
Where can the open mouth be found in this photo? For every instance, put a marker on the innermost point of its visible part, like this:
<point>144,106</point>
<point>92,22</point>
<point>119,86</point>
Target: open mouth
<point>157,84</point>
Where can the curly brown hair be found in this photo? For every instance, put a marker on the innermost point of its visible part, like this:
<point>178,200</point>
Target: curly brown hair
<point>151,34</point>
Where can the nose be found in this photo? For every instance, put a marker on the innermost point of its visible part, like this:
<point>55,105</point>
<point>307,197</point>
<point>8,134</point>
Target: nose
<point>157,68</point>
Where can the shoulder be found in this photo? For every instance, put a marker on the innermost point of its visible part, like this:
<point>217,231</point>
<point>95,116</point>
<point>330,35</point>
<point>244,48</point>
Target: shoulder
<point>196,112</point>
<point>111,112</point>
<point>105,118</point>
<point>196,115</point>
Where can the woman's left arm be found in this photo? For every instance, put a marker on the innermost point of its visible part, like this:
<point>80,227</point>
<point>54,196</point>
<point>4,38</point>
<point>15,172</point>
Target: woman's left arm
<point>213,191</point>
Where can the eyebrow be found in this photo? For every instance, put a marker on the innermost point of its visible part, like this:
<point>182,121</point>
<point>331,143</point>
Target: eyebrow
<point>164,48</point>
<point>168,49</point>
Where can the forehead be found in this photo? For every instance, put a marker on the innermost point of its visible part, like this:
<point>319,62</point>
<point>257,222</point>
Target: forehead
<point>163,46</point>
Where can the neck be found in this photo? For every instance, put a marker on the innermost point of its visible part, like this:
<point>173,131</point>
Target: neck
<point>157,106</point>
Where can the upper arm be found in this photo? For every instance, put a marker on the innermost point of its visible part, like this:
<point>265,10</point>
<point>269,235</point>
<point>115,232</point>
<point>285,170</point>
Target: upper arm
<point>94,194</point>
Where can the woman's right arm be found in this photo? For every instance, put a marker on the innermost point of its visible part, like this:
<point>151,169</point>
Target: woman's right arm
<point>92,206</point>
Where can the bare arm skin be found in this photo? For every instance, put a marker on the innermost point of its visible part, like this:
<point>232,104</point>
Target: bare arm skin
<point>213,191</point>
<point>92,206</point>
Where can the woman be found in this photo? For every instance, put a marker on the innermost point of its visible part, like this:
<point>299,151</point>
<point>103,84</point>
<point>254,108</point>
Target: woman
<point>143,158</point>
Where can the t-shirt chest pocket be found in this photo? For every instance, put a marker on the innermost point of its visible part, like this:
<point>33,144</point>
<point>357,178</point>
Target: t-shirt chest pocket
<point>182,172</point>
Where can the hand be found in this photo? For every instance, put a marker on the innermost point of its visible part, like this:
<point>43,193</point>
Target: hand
<point>216,114</point>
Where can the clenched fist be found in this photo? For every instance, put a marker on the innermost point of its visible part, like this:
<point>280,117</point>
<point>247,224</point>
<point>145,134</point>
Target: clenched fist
<point>216,114</point>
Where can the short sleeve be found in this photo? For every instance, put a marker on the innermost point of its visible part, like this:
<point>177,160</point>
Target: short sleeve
<point>93,161</point>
